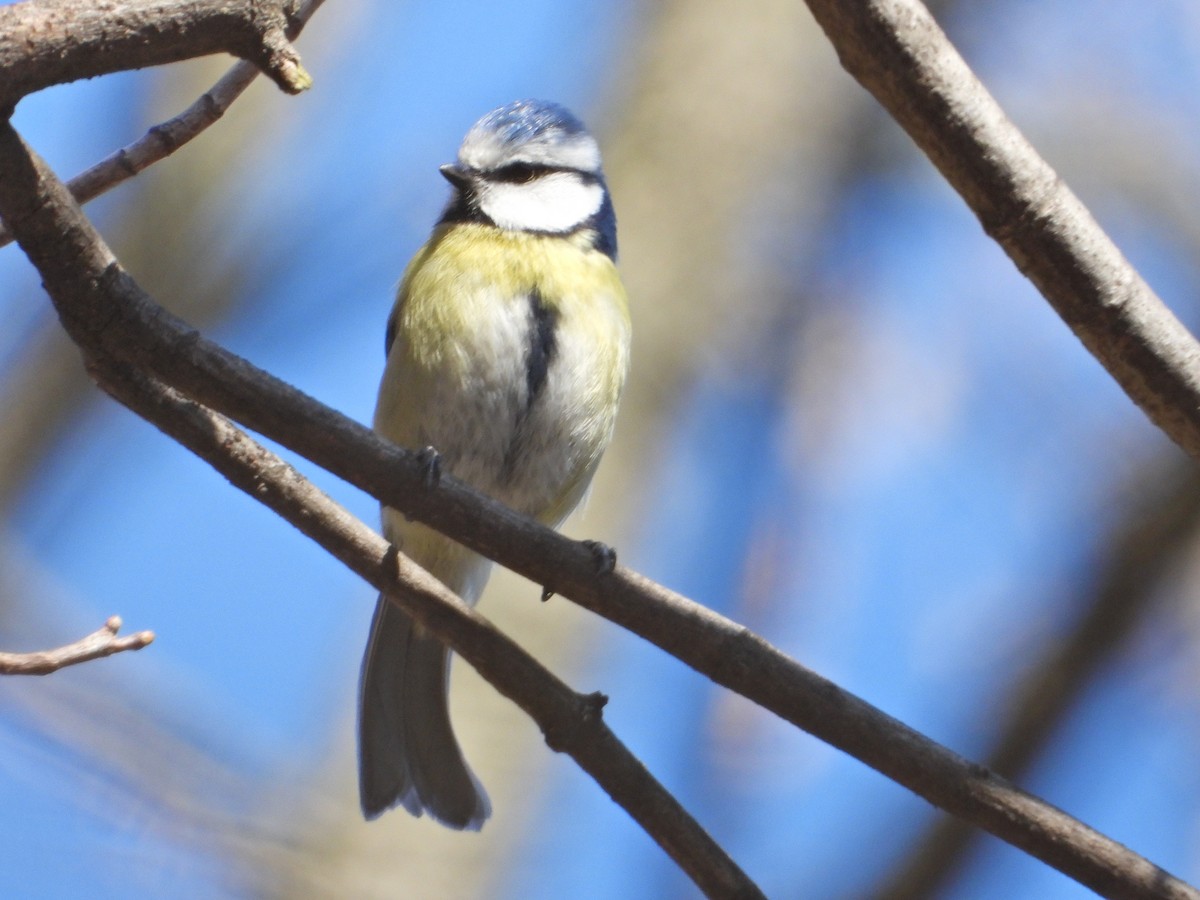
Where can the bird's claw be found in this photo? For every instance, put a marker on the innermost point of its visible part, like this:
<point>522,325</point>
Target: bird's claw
<point>605,557</point>
<point>431,466</point>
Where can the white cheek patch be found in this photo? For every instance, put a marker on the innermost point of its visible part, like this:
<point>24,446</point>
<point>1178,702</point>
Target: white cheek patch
<point>556,203</point>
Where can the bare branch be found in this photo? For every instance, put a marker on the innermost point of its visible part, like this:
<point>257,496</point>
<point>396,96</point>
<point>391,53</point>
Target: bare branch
<point>103,642</point>
<point>105,310</point>
<point>571,722</point>
<point>163,139</point>
<point>46,42</point>
<point>897,52</point>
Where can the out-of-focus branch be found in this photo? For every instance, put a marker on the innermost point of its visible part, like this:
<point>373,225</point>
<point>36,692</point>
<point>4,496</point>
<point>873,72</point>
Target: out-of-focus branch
<point>571,722</point>
<point>46,42</point>
<point>1133,568</point>
<point>165,138</point>
<point>897,52</point>
<point>110,316</point>
<point>45,388</point>
<point>98,644</point>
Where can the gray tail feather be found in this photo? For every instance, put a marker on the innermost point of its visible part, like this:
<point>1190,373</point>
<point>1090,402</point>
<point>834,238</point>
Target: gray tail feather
<point>407,751</point>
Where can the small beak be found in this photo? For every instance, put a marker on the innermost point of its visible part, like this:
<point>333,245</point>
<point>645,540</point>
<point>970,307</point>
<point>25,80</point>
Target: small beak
<point>457,175</point>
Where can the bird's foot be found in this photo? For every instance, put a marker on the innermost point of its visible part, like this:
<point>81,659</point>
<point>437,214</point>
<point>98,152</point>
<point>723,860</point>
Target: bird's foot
<point>431,466</point>
<point>604,556</point>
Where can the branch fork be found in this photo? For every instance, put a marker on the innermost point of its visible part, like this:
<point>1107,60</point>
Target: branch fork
<point>100,643</point>
<point>43,43</point>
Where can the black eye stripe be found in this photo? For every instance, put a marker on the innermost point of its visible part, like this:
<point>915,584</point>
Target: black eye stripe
<point>517,173</point>
<point>523,173</point>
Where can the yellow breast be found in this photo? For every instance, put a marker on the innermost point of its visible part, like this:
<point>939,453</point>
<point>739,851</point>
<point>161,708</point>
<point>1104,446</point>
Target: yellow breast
<point>456,375</point>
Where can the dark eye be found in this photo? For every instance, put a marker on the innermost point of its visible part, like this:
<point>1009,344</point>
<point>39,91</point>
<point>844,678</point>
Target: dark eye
<point>518,173</point>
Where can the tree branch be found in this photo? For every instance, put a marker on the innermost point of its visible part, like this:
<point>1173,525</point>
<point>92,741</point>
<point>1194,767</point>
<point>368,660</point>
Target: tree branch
<point>163,139</point>
<point>103,642</point>
<point>108,313</point>
<point>897,52</point>
<point>1132,568</point>
<point>46,42</point>
<point>571,722</point>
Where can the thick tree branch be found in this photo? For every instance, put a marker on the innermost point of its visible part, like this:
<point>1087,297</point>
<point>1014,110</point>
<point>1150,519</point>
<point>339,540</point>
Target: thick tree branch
<point>897,52</point>
<point>46,42</point>
<point>109,315</point>
<point>165,138</point>
<point>571,722</point>
<point>103,642</point>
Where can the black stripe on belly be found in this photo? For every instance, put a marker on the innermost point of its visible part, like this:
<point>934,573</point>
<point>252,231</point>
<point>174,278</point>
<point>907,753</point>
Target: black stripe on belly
<point>389,336</point>
<point>543,340</point>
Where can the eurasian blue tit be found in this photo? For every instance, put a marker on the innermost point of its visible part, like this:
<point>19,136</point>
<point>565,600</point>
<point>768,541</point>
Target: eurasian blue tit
<point>506,352</point>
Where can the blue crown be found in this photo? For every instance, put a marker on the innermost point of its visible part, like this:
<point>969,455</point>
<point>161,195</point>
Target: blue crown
<point>525,120</point>
<point>531,131</point>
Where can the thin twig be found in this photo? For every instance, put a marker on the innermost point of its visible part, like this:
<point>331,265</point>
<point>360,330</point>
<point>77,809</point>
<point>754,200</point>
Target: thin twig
<point>160,141</point>
<point>100,643</point>
<point>571,722</point>
<point>163,139</point>
<point>106,311</point>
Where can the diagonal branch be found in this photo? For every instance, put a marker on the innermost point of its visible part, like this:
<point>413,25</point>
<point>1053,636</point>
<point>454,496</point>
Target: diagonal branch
<point>897,52</point>
<point>163,139</point>
<point>98,644</point>
<point>1127,585</point>
<point>109,315</point>
<point>571,722</point>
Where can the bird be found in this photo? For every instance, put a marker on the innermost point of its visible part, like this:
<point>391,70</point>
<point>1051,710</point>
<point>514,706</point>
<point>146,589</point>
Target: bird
<point>506,355</point>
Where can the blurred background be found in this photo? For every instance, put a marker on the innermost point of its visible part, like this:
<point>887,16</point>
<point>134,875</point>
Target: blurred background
<point>851,425</point>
